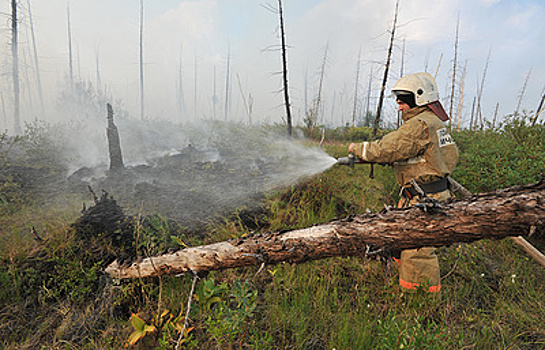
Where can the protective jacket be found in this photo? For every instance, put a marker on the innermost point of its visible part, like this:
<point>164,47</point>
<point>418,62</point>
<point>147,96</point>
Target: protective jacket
<point>423,150</point>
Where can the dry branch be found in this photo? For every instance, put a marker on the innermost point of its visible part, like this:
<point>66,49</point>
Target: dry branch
<point>493,215</point>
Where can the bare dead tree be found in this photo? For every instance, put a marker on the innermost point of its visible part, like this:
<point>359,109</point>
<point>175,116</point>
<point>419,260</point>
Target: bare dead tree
<point>471,122</point>
<point>494,215</point>
<point>539,110</point>
<point>333,100</point>
<point>438,66</point>
<point>99,80</point>
<point>285,68</point>
<point>385,77</point>
<point>227,84</point>
<point>195,94</point>
<point>4,110</point>
<point>384,82</point>
<point>36,61</point>
<point>454,64</point>
<point>70,55</point>
<point>356,85</point>
<point>312,118</point>
<point>368,99</point>
<point>479,116</point>
<point>141,56</point>
<point>401,72</point>
<point>15,67</point>
<point>461,98</point>
<point>181,98</point>
<point>522,91</point>
<point>248,104</point>
<point>306,89</point>
<point>26,67</point>
<point>427,61</point>
<point>495,115</point>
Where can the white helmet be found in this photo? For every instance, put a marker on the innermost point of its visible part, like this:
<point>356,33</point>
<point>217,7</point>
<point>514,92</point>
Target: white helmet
<point>422,85</point>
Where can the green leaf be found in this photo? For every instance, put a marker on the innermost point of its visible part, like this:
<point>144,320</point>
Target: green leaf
<point>134,338</point>
<point>137,323</point>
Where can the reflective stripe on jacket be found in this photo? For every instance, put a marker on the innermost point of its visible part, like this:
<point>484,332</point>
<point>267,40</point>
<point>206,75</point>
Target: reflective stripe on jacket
<point>421,149</point>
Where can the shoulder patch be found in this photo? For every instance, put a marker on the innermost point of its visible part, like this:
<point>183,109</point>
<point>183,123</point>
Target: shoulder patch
<point>444,138</point>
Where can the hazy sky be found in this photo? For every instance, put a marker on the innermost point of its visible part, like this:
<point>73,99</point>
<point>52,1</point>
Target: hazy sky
<point>200,35</point>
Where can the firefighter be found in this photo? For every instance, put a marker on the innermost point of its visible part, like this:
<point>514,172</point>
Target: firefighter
<point>421,151</point>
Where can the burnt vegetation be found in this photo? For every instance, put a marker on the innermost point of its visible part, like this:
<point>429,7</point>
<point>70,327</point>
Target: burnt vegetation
<point>54,290</point>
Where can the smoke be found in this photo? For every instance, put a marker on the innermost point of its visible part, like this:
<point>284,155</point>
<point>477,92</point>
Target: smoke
<point>194,172</point>
<point>189,172</point>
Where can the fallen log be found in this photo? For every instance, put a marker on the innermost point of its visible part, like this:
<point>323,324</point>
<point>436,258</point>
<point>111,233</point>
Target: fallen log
<point>518,240</point>
<point>492,215</point>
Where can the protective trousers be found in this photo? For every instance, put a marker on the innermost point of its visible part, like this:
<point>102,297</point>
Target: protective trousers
<point>419,268</point>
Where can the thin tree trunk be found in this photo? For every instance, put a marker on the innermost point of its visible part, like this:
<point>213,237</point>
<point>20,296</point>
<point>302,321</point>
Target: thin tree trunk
<point>355,107</point>
<point>36,61</point>
<point>479,116</point>
<point>472,114</point>
<point>455,62</point>
<point>24,71</point>
<point>317,103</point>
<point>332,115</point>
<point>493,215</point>
<point>70,56</point>
<point>4,111</point>
<point>15,68</point>
<point>141,56</point>
<point>401,73</point>
<point>181,99</point>
<point>438,66</point>
<point>99,80</point>
<point>285,68</point>
<point>461,98</point>
<point>539,110</point>
<point>214,96</point>
<point>386,69</point>
<point>368,100</point>
<point>247,104</point>
<point>227,84</point>
<point>522,91</point>
<point>306,90</point>
<point>495,115</point>
<point>195,76</point>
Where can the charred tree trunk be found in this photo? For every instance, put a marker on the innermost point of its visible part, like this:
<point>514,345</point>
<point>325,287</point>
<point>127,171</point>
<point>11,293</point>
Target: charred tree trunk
<point>114,146</point>
<point>385,77</point>
<point>539,110</point>
<point>493,215</point>
<point>285,68</point>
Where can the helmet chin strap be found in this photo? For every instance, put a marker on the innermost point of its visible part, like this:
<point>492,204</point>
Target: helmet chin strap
<point>437,108</point>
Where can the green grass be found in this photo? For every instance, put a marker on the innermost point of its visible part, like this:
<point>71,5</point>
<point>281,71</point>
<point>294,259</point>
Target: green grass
<point>492,297</point>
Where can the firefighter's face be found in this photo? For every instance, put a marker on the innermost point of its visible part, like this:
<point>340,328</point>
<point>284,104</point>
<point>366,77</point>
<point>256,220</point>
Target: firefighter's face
<point>403,106</point>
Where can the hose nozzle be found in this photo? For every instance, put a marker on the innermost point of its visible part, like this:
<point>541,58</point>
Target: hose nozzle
<point>350,160</point>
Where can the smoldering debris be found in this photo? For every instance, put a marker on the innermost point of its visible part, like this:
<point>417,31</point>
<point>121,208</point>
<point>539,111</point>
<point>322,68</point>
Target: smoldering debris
<point>194,174</point>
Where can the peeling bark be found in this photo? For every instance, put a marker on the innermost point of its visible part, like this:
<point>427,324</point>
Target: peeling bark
<point>493,215</point>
